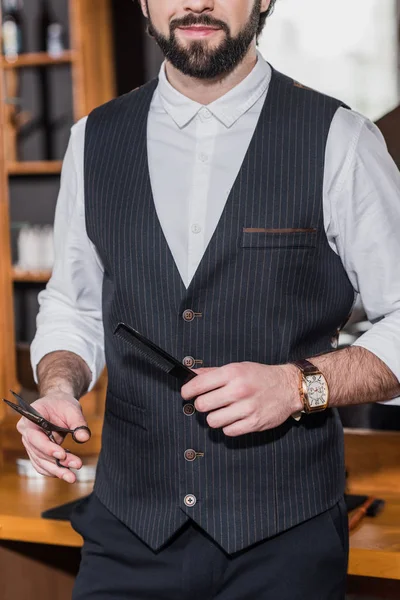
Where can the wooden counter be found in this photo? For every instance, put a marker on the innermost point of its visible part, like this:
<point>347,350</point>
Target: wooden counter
<point>375,544</point>
<point>22,501</point>
<point>373,464</point>
<point>39,558</point>
<point>47,552</point>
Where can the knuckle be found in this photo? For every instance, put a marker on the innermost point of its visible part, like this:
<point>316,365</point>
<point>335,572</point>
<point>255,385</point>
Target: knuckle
<point>254,407</point>
<point>233,370</point>
<point>241,389</point>
<point>247,410</point>
<point>254,423</point>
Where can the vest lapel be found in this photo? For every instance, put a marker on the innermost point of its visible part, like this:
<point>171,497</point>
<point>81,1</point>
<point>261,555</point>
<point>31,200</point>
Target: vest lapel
<point>146,198</point>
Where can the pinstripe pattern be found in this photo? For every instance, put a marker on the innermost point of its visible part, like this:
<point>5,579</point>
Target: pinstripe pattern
<point>264,297</point>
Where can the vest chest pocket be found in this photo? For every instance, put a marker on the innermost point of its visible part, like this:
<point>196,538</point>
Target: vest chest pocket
<point>301,238</point>
<point>126,411</point>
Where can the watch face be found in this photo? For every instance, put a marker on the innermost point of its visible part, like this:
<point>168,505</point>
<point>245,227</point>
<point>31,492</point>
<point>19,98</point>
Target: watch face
<point>317,391</point>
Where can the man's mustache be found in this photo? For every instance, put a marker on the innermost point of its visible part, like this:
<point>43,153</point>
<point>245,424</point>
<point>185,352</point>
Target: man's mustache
<point>191,20</point>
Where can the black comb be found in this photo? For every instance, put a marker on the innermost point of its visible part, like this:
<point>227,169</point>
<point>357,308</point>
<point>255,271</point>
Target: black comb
<point>154,354</point>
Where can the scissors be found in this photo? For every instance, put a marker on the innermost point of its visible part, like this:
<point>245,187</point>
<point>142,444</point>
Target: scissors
<point>27,411</point>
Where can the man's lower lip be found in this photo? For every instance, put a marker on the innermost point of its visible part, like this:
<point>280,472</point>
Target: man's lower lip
<point>198,31</point>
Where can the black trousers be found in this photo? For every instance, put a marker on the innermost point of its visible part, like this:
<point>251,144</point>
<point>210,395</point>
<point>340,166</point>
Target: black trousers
<point>308,562</point>
<point>385,417</point>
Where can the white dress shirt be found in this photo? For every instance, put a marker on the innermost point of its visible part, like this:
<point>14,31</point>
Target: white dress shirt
<point>195,154</point>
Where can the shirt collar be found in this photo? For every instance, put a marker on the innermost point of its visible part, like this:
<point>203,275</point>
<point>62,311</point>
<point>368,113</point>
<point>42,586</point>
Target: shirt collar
<point>227,109</point>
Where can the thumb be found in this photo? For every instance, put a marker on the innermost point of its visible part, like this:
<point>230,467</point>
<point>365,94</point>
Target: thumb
<point>78,424</point>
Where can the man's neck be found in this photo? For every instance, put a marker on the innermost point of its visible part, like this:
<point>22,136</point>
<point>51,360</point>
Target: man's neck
<point>207,91</point>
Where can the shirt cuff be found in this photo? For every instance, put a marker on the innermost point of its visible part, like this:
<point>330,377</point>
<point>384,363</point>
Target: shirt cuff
<point>93,356</point>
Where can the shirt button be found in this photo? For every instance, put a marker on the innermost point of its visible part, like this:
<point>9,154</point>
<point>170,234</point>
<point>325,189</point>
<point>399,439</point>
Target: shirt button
<point>190,500</point>
<point>206,113</point>
<point>189,410</point>
<point>196,228</point>
<point>188,315</point>
<point>190,455</point>
<point>189,361</point>
<point>203,157</point>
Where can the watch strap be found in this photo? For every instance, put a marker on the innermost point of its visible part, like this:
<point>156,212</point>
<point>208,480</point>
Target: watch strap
<point>305,366</point>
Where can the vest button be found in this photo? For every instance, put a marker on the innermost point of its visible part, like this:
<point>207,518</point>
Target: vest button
<point>189,361</point>
<point>190,500</point>
<point>190,455</point>
<point>189,410</point>
<point>188,315</point>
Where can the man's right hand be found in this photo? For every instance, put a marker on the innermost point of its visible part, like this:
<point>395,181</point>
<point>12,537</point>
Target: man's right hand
<point>61,409</point>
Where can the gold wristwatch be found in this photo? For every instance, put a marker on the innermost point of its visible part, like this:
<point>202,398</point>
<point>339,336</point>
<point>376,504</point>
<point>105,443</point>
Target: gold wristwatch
<point>313,388</point>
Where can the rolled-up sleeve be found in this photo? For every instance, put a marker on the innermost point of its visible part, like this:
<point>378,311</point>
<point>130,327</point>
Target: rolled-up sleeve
<point>70,313</point>
<point>363,225</point>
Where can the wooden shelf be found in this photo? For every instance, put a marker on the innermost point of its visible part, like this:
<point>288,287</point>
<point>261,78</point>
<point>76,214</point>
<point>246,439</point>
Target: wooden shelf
<point>38,59</point>
<point>18,275</point>
<point>40,167</point>
<point>87,74</point>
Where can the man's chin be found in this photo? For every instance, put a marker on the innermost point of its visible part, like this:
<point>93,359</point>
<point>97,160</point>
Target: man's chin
<point>208,46</point>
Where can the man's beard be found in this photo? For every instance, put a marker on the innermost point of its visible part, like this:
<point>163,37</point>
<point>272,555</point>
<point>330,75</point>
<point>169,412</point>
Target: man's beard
<point>196,60</point>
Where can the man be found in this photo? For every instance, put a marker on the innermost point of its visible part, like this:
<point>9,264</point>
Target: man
<point>229,214</point>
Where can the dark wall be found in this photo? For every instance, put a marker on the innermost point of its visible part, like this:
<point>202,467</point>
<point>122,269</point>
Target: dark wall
<point>128,45</point>
<point>137,57</point>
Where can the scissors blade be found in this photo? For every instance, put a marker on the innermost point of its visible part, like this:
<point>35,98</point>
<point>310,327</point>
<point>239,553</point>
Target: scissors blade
<point>26,406</point>
<point>24,412</point>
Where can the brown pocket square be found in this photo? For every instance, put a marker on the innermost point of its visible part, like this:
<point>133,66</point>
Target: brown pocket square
<point>296,237</point>
<point>291,230</point>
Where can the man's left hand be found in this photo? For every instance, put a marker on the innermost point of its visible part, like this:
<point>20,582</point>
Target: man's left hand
<point>245,397</point>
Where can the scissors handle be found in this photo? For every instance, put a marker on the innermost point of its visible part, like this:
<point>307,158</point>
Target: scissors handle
<point>48,427</point>
<point>81,428</point>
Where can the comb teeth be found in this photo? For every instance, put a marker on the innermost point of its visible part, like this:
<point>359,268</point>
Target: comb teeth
<point>156,360</point>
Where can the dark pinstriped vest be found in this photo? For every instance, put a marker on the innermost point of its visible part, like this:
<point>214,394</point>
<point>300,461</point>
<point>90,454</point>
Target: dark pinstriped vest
<point>266,297</point>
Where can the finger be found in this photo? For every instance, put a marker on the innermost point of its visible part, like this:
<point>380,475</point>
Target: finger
<point>239,428</point>
<point>36,466</point>
<point>25,425</point>
<point>50,469</point>
<point>67,459</point>
<point>205,382</point>
<point>213,400</point>
<point>37,439</point>
<point>35,457</point>
<point>219,419</point>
